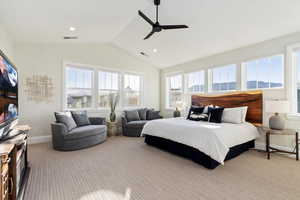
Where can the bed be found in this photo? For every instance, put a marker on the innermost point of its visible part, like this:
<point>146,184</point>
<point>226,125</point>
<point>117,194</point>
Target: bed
<point>209,144</point>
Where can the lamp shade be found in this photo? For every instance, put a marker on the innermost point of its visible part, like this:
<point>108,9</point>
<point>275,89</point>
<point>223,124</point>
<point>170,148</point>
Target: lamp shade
<point>277,106</point>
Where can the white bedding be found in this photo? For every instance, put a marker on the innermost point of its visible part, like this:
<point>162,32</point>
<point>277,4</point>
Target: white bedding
<point>210,138</point>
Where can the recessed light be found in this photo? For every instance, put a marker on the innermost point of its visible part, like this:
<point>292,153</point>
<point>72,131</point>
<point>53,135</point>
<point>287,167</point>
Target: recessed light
<point>72,28</point>
<point>154,50</point>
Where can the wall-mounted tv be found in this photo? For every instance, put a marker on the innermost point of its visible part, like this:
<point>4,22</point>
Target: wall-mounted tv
<point>8,93</point>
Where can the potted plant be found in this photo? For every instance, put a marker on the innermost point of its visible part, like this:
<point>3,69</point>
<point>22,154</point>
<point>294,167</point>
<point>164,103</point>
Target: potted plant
<point>113,101</point>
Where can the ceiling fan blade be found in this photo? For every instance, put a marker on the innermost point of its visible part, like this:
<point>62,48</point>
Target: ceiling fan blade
<point>173,26</point>
<point>149,35</point>
<point>146,18</point>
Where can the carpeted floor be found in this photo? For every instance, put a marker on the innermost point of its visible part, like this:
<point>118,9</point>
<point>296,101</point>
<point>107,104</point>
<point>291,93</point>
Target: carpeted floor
<point>127,169</point>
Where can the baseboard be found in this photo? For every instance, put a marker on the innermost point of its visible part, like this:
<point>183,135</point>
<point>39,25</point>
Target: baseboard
<point>39,139</point>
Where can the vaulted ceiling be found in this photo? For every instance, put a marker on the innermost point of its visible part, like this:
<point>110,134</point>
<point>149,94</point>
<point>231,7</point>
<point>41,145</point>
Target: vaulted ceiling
<point>215,26</point>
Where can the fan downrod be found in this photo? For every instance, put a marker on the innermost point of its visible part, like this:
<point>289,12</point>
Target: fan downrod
<point>157,2</point>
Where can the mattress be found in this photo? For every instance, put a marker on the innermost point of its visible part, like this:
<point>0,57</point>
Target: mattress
<point>213,139</point>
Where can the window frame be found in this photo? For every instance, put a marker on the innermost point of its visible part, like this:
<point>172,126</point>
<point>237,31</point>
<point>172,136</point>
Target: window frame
<point>77,66</point>
<point>186,80</point>
<point>244,73</point>
<point>166,103</point>
<point>291,81</point>
<point>210,79</point>
<point>98,70</point>
<point>141,91</point>
<point>95,89</point>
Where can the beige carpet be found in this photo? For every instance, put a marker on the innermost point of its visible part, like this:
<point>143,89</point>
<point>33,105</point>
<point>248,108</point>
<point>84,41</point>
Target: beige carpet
<point>127,169</point>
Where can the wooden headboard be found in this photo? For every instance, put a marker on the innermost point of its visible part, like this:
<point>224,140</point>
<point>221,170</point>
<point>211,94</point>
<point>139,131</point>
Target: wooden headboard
<point>252,99</point>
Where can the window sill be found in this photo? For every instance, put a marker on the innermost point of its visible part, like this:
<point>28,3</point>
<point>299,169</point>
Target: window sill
<point>293,117</point>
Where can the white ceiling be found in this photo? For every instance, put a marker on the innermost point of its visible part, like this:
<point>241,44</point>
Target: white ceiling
<point>216,26</point>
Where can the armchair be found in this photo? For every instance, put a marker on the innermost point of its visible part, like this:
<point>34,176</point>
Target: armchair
<point>79,137</point>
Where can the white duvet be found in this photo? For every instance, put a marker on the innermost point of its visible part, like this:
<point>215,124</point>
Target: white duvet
<point>210,138</point>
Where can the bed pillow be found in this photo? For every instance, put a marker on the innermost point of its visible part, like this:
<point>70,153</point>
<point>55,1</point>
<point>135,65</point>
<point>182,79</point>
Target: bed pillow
<point>81,118</point>
<point>66,119</point>
<point>199,117</point>
<point>235,115</point>
<point>215,114</point>
<point>196,114</point>
<point>206,108</point>
<point>132,115</point>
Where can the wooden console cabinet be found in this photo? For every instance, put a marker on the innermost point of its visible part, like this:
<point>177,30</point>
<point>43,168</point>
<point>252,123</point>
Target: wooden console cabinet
<point>14,167</point>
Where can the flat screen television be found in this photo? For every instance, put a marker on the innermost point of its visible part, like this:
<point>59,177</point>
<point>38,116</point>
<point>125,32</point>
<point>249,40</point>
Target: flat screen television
<point>8,95</point>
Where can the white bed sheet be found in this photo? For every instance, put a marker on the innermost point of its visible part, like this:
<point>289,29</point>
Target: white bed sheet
<point>213,139</point>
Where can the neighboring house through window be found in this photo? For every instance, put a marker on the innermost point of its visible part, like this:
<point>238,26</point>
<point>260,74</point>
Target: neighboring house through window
<point>174,90</point>
<point>265,73</point>
<point>79,87</point>
<point>132,90</point>
<point>108,84</point>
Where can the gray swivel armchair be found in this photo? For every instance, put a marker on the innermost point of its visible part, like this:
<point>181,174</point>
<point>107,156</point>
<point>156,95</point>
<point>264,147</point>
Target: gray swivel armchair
<point>80,137</point>
<point>133,127</point>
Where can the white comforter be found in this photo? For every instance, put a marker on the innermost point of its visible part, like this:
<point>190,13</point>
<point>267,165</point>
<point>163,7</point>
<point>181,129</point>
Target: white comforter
<point>210,138</point>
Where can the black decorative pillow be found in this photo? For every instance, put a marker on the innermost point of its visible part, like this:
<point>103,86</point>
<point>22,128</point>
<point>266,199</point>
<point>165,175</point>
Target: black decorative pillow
<point>66,119</point>
<point>199,117</point>
<point>143,113</point>
<point>152,114</point>
<point>81,118</point>
<point>195,110</point>
<point>215,114</point>
<point>132,115</point>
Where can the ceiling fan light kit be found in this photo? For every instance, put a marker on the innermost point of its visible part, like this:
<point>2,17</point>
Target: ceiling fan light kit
<point>156,27</point>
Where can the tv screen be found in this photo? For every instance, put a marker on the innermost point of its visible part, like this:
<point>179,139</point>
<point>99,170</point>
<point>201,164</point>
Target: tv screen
<point>8,91</point>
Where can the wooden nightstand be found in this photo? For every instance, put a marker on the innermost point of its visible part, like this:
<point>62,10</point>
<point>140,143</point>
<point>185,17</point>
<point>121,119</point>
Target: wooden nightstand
<point>270,149</point>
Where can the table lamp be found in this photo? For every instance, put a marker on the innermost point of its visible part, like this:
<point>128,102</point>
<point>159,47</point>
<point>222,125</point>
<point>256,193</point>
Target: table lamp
<point>277,107</point>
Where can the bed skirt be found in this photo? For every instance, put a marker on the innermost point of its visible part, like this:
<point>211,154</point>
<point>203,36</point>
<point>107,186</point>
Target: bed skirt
<point>194,154</point>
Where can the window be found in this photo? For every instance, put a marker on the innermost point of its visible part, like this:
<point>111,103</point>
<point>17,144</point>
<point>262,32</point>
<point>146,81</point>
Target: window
<point>195,82</point>
<point>224,78</point>
<point>79,83</point>
<point>132,90</point>
<point>174,90</point>
<point>108,84</point>
<point>265,73</point>
<point>297,65</point>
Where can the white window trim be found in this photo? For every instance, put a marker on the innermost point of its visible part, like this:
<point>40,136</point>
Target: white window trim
<point>291,80</point>
<point>141,90</point>
<point>64,99</point>
<point>95,88</point>
<point>210,80</point>
<point>186,89</point>
<point>183,82</point>
<point>244,73</point>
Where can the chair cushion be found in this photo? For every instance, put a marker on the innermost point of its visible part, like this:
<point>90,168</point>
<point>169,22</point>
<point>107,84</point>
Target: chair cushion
<point>86,131</point>
<point>66,119</point>
<point>81,118</point>
<point>132,115</point>
<point>152,114</point>
<point>136,124</point>
<point>143,113</point>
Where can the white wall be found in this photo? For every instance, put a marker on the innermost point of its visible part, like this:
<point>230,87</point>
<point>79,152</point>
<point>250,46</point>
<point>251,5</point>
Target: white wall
<point>6,43</point>
<point>38,59</point>
<point>267,48</point>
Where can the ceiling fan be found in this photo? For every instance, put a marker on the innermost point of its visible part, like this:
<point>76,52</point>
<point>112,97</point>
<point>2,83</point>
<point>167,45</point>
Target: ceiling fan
<point>156,27</point>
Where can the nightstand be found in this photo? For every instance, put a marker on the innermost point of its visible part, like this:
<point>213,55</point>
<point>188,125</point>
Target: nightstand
<point>270,149</point>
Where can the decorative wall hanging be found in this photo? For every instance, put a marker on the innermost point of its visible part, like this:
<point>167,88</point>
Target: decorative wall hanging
<point>39,88</point>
